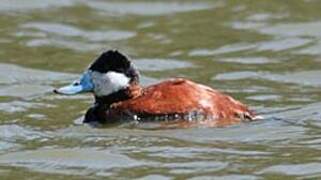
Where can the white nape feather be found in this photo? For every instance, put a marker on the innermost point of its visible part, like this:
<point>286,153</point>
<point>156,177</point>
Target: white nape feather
<point>108,83</point>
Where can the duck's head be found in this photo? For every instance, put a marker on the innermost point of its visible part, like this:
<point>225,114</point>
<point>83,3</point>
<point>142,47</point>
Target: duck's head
<point>108,74</point>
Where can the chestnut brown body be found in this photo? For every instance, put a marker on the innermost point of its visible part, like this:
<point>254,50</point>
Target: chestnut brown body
<point>182,100</point>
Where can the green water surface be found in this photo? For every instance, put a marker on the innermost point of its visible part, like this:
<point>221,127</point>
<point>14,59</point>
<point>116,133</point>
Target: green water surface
<point>265,53</point>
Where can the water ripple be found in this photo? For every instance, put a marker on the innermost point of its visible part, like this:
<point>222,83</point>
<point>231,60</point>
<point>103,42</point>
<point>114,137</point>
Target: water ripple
<point>293,169</point>
<point>72,31</point>
<point>21,5</point>
<point>302,78</point>
<point>152,64</point>
<point>69,161</point>
<point>148,8</point>
<point>69,36</point>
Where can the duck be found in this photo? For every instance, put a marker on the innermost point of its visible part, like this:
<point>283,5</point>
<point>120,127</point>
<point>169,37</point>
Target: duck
<point>114,81</point>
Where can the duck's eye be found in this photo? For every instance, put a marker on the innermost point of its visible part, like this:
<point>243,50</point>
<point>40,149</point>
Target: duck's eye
<point>76,83</point>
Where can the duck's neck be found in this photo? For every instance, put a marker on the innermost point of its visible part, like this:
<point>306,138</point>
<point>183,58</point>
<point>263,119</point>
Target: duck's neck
<point>102,103</point>
<point>130,92</point>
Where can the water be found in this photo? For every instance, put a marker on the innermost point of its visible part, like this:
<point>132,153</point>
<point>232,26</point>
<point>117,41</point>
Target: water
<point>264,53</point>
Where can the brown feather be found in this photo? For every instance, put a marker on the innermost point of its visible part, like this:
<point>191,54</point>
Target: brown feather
<point>181,96</point>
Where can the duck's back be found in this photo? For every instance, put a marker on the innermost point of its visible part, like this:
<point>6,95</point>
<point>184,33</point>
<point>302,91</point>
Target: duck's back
<point>183,99</point>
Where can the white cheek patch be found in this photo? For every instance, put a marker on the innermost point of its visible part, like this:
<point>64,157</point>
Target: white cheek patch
<point>108,83</point>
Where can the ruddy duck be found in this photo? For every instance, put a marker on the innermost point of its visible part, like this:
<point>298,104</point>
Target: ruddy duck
<point>114,81</point>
